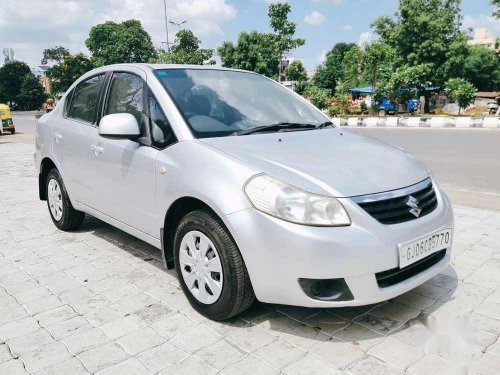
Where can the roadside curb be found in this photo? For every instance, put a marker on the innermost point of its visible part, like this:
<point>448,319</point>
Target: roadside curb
<point>419,122</point>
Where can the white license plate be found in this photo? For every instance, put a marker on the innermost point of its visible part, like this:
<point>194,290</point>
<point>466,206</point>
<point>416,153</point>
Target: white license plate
<point>411,252</point>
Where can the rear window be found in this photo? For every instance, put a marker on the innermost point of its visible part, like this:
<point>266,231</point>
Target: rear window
<point>85,98</point>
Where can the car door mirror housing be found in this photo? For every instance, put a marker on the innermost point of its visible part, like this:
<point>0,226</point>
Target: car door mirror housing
<point>119,125</point>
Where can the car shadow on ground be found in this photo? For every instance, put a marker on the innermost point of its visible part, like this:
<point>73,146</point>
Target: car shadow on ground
<point>408,316</point>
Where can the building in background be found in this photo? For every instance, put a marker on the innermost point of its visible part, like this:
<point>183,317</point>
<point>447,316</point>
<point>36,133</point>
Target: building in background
<point>40,73</point>
<point>483,37</point>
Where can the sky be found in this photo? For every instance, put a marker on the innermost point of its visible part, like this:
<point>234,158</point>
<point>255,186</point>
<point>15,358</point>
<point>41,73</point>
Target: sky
<point>30,26</point>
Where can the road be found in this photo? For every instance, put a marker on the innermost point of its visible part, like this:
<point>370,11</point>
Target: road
<point>466,162</point>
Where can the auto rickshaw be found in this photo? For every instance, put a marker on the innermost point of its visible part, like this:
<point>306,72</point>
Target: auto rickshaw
<point>6,120</point>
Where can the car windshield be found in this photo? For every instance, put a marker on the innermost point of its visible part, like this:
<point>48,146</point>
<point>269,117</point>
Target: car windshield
<point>218,103</point>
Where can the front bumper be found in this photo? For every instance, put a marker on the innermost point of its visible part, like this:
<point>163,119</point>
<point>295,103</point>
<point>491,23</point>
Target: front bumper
<point>277,253</point>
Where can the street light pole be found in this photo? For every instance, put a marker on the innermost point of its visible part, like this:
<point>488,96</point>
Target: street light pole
<point>166,23</point>
<point>178,24</point>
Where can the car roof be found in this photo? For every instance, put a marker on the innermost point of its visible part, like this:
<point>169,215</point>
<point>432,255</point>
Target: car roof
<point>151,67</point>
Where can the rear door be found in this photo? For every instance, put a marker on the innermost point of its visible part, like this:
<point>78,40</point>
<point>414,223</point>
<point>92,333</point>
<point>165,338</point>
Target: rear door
<point>123,170</point>
<point>71,136</point>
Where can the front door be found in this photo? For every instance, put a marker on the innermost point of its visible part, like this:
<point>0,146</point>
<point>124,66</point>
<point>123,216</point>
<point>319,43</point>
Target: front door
<point>123,171</point>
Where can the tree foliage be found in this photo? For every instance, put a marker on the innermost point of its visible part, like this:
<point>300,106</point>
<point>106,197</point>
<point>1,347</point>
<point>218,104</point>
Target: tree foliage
<point>252,51</point>
<point>56,54</point>
<point>333,69</point>
<point>318,96</point>
<point>125,42</point>
<point>426,32</point>
<point>461,91</point>
<point>263,52</point>
<point>67,69</point>
<point>31,95</point>
<point>296,71</point>
<point>496,6</point>
<point>284,30</point>
<point>11,79</point>
<point>185,50</point>
<point>482,68</point>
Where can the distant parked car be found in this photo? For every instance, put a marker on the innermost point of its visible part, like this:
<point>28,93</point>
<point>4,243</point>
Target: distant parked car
<point>248,190</point>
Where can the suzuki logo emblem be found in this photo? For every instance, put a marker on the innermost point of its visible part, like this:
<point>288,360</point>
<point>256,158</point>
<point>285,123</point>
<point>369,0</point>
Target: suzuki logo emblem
<point>412,202</point>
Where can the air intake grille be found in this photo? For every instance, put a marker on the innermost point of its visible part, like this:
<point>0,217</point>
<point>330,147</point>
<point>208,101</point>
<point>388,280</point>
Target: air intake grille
<point>397,275</point>
<point>400,206</point>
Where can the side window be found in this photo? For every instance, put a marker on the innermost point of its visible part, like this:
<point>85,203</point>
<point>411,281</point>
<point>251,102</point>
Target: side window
<point>85,99</point>
<point>161,131</point>
<point>126,95</point>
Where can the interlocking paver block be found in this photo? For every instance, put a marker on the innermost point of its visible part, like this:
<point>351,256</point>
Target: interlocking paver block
<point>57,287</point>
<point>99,358</point>
<point>140,340</point>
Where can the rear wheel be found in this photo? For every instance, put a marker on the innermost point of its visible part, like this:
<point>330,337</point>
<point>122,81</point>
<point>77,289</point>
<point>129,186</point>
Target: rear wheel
<point>64,216</point>
<point>210,268</point>
<point>12,131</point>
<point>381,113</point>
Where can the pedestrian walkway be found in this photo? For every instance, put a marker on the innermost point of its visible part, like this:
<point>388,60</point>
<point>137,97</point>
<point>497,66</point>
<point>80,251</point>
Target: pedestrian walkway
<point>99,301</point>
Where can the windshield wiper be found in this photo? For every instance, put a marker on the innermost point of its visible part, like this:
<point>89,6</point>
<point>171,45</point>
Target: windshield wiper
<point>325,124</point>
<point>277,127</point>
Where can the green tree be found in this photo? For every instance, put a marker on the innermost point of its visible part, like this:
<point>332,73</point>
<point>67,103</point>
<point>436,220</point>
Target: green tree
<point>56,54</point>
<point>426,32</point>
<point>31,95</point>
<point>333,69</point>
<point>354,75</point>
<point>125,42</point>
<point>284,30</point>
<point>318,96</point>
<point>377,61</point>
<point>482,68</point>
<point>11,79</point>
<point>460,91</point>
<point>185,50</point>
<point>496,5</point>
<point>67,70</point>
<point>252,51</point>
<point>296,71</point>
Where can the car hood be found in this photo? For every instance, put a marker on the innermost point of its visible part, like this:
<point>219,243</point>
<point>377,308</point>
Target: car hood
<point>327,161</point>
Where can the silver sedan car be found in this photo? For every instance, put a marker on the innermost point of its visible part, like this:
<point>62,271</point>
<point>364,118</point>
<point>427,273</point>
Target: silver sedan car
<point>249,191</point>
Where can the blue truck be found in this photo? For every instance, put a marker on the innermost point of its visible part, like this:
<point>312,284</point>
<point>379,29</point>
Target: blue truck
<point>385,107</point>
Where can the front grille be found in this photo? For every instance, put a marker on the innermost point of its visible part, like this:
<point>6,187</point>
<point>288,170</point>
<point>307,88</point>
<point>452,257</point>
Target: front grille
<point>397,275</point>
<point>393,208</point>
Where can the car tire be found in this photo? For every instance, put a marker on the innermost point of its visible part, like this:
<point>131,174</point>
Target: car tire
<point>235,293</point>
<point>64,216</point>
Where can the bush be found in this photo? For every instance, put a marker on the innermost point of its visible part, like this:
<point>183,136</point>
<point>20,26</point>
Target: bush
<point>364,108</point>
<point>333,111</point>
<point>460,91</point>
<point>318,96</point>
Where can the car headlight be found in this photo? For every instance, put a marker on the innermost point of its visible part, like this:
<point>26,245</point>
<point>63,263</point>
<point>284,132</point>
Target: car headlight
<point>289,203</point>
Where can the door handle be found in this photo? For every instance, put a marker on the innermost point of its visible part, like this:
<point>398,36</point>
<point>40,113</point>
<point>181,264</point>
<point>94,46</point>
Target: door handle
<point>97,149</point>
<point>58,137</point>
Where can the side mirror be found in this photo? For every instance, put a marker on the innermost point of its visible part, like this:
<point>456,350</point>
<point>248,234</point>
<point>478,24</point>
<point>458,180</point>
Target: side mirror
<point>119,125</point>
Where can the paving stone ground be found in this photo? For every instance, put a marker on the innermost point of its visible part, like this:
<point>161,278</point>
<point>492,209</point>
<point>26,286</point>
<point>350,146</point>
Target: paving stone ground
<point>99,301</point>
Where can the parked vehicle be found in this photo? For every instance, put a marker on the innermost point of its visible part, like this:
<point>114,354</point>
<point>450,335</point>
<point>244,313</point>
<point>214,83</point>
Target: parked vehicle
<point>6,121</point>
<point>385,107</point>
<point>492,108</point>
<point>249,191</point>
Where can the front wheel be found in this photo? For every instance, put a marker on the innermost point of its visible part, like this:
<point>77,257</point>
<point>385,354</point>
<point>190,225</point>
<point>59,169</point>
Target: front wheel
<point>210,268</point>
<point>64,216</point>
